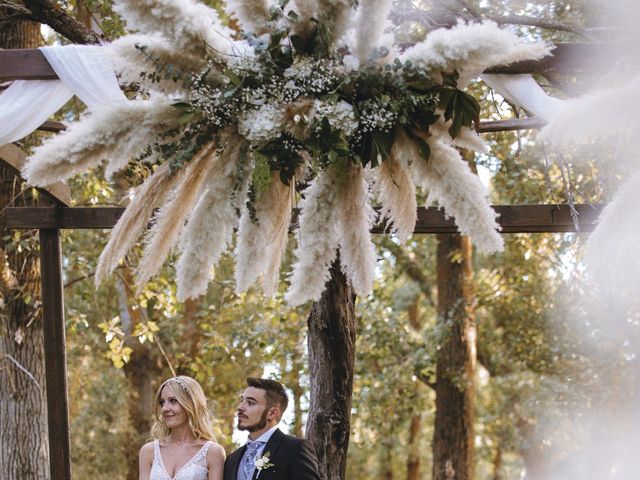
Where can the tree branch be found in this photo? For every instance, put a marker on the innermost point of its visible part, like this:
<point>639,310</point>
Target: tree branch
<point>535,22</point>
<point>425,379</point>
<point>448,17</point>
<point>14,7</point>
<point>52,14</point>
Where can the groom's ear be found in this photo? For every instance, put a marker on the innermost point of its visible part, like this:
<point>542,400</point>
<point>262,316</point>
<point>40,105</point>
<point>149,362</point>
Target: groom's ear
<point>274,413</point>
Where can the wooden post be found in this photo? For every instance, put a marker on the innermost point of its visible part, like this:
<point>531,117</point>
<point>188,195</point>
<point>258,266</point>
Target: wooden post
<point>55,354</point>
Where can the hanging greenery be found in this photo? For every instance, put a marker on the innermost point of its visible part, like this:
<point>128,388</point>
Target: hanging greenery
<point>311,99</point>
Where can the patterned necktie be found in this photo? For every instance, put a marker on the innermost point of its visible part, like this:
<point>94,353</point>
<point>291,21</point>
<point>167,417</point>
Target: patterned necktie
<point>248,459</point>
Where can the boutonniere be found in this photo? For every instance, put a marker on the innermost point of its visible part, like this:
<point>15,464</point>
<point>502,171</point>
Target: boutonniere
<point>262,463</point>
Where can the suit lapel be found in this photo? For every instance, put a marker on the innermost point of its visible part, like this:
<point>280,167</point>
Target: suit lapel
<point>234,461</point>
<point>272,447</point>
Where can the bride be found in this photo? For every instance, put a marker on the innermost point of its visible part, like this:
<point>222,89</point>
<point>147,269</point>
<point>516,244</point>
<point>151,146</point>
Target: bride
<point>183,446</point>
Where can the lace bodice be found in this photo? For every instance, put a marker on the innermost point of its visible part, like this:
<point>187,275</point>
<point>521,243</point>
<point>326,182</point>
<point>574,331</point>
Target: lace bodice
<point>194,469</point>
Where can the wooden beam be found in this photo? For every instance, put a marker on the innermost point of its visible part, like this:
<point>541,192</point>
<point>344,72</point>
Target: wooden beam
<point>54,217</point>
<point>25,64</point>
<point>15,158</point>
<point>55,354</point>
<point>52,126</point>
<point>515,219</point>
<point>512,218</point>
<point>511,124</point>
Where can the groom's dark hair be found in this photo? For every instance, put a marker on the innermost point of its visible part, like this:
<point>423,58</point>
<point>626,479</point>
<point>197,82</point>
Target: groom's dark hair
<point>275,393</point>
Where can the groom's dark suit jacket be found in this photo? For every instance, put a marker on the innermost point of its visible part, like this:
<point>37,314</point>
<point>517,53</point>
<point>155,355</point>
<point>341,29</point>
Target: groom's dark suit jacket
<point>293,459</point>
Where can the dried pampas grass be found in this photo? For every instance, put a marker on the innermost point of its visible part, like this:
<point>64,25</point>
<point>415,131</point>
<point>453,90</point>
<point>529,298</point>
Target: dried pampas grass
<point>192,27</point>
<point>354,218</point>
<point>214,217</point>
<point>261,245</point>
<point>370,26</point>
<point>396,192</point>
<point>252,15</point>
<point>104,135</point>
<point>134,220</point>
<point>170,219</point>
<point>452,185</point>
<point>317,241</point>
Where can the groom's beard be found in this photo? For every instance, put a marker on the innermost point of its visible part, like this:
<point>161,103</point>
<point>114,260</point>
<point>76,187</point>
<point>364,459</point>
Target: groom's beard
<point>256,426</point>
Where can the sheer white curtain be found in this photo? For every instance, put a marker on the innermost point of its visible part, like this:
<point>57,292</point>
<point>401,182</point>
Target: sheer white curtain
<point>525,92</point>
<point>83,70</point>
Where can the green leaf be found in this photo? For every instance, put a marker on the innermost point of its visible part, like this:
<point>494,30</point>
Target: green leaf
<point>232,77</point>
<point>182,105</point>
<point>423,146</point>
<point>186,117</point>
<point>382,143</point>
<point>460,107</point>
<point>299,43</point>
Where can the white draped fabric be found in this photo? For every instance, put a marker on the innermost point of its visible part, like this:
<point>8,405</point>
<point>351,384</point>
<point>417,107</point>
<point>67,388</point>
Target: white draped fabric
<point>86,71</point>
<point>525,92</point>
<point>83,70</point>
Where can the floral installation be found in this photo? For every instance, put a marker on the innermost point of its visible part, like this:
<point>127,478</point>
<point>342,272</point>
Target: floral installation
<point>262,463</point>
<point>310,106</point>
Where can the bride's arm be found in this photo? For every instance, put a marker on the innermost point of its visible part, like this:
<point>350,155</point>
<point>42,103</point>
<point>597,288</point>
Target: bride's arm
<point>145,459</point>
<point>215,462</point>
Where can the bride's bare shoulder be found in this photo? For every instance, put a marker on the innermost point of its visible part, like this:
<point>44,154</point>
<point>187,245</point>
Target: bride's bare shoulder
<point>216,453</point>
<point>147,450</point>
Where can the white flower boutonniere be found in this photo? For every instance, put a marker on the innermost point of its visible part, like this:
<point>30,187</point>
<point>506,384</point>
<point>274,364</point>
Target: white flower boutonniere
<point>262,463</point>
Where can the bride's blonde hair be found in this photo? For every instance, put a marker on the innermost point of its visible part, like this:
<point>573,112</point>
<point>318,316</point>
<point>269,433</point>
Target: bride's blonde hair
<point>190,396</point>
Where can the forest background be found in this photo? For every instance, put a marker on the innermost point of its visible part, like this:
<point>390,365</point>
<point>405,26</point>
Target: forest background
<point>534,369</point>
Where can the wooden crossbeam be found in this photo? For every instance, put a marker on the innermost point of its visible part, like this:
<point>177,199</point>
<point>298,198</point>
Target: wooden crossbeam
<point>512,218</point>
<point>25,64</point>
<point>30,64</point>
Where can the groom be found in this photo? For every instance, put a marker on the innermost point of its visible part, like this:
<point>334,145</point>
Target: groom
<point>269,454</point>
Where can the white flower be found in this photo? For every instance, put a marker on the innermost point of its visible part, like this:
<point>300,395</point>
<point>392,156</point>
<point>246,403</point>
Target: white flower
<point>262,463</point>
<point>262,124</point>
<point>350,63</point>
<point>340,115</point>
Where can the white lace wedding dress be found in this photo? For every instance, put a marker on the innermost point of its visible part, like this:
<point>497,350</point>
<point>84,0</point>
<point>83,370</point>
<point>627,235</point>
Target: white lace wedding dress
<point>194,469</point>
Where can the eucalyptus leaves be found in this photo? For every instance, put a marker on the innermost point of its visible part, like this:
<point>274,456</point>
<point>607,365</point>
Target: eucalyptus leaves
<point>312,105</point>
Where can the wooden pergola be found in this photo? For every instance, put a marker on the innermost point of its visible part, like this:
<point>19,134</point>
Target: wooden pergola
<point>31,65</point>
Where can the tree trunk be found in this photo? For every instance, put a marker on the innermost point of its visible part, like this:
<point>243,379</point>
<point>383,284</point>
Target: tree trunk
<point>453,450</point>
<point>413,460</point>
<point>386,460</point>
<point>331,342</point>
<point>20,33</point>
<point>497,464</point>
<point>413,445</point>
<point>24,445</point>
<point>298,391</point>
